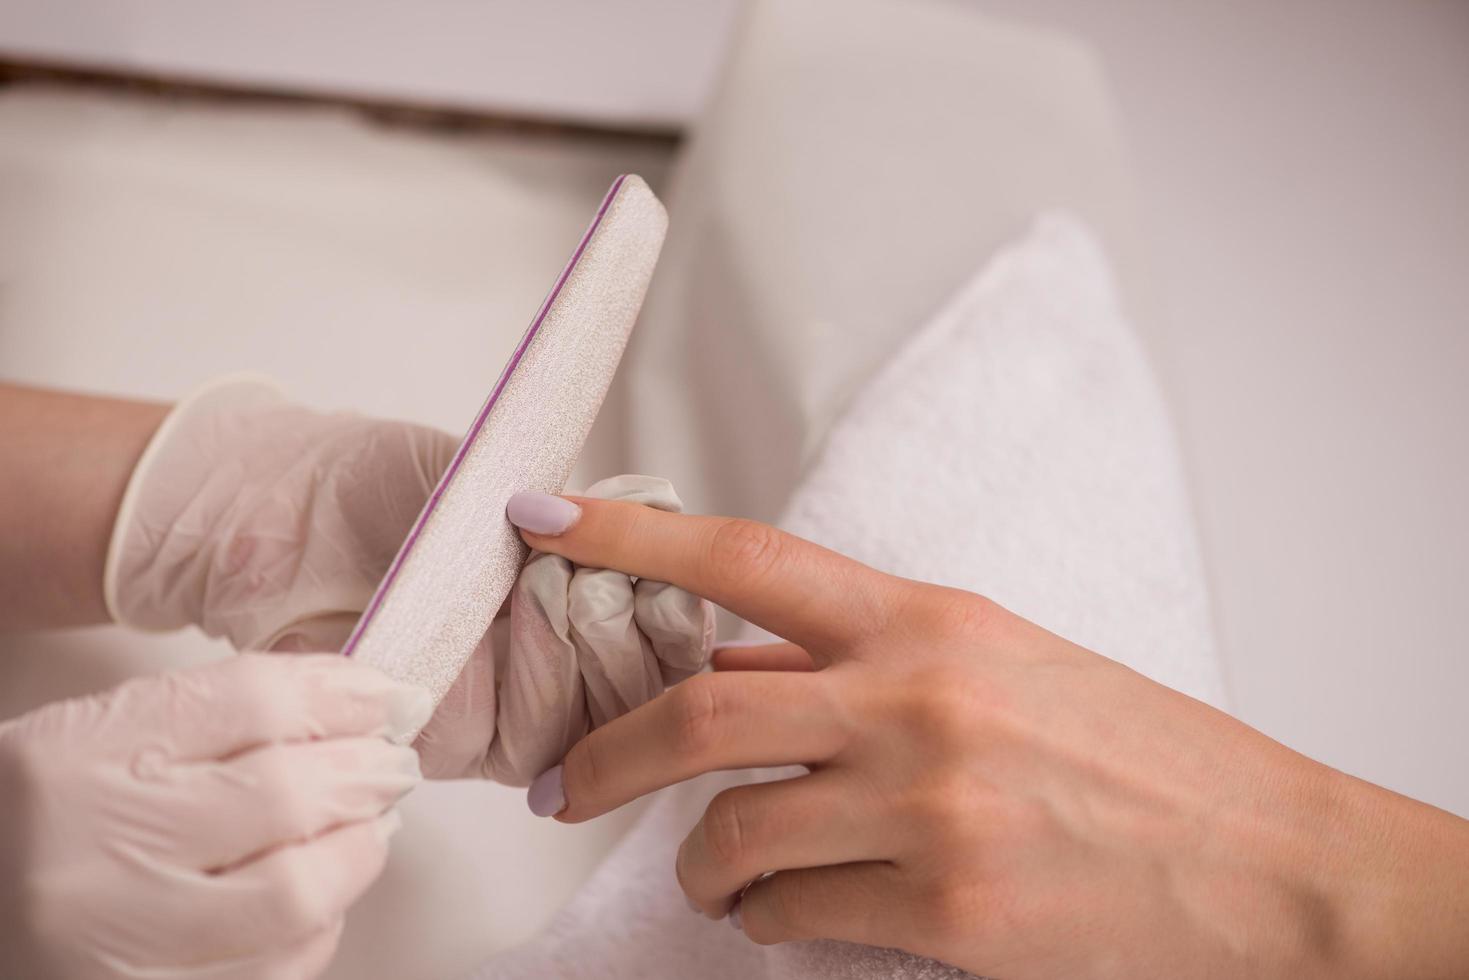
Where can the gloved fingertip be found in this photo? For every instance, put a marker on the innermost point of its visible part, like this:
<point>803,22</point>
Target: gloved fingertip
<point>388,824</point>
<point>409,707</point>
<point>406,762</point>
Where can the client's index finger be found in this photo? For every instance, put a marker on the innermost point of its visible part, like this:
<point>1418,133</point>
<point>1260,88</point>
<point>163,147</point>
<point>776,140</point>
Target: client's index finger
<point>785,584</point>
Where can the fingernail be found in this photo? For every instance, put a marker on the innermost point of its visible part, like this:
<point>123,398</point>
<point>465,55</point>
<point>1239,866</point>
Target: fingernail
<point>742,644</point>
<point>542,513</point>
<point>388,824</point>
<point>693,905</point>
<point>735,921</point>
<point>409,709</point>
<point>547,796</point>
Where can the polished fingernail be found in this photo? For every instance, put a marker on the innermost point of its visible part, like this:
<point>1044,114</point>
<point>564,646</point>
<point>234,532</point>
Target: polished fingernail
<point>547,796</point>
<point>409,709</point>
<point>388,824</point>
<point>735,921</point>
<point>542,513</point>
<point>743,644</point>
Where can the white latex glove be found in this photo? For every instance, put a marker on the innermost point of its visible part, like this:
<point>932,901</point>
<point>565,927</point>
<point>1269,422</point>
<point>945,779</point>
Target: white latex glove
<point>208,823</point>
<point>264,522</point>
<point>271,524</point>
<point>581,646</point>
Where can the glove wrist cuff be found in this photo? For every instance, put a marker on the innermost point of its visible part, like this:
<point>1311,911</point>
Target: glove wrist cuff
<point>144,582</point>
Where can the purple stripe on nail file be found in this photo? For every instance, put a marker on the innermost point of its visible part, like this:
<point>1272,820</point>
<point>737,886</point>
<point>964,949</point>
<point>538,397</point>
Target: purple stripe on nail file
<point>479,421</point>
<point>459,560</point>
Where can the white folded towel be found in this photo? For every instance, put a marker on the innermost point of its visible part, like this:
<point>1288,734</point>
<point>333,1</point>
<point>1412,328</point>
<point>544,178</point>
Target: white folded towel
<point>1017,446</point>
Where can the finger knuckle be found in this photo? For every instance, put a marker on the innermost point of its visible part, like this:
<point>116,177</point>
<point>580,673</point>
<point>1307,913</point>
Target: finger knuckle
<point>790,902</point>
<point>191,693</point>
<point>584,771</point>
<point>726,830</point>
<point>953,910</point>
<point>290,802</point>
<point>743,550</point>
<point>699,705</point>
<point>941,809</point>
<point>198,686</point>
<point>298,896</point>
<point>946,708</point>
<point>255,693</point>
<point>680,870</point>
<point>957,615</point>
<point>955,710</point>
<point>843,701</point>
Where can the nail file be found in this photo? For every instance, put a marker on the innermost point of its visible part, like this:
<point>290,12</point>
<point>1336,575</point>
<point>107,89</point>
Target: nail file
<point>462,556</point>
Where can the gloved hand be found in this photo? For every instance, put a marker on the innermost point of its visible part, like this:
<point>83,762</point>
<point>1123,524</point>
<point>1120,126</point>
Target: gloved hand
<point>264,522</point>
<point>212,823</point>
<point>579,647</point>
<point>271,524</point>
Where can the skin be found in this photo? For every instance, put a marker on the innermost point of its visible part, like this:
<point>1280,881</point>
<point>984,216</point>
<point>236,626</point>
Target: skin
<point>986,793</point>
<point>64,464</point>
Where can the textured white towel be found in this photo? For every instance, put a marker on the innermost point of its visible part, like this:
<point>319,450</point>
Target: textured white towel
<point>1017,446</point>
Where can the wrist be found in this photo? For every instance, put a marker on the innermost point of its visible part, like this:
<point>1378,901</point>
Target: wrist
<point>66,459</point>
<point>1398,879</point>
<point>1270,900</point>
<point>1287,876</point>
<point>167,529</point>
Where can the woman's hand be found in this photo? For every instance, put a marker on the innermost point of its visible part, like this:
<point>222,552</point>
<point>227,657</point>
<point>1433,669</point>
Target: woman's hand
<point>985,793</point>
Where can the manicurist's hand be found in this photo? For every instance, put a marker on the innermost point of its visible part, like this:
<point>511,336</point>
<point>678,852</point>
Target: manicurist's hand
<point>270,524</point>
<point>215,822</point>
<point>986,793</point>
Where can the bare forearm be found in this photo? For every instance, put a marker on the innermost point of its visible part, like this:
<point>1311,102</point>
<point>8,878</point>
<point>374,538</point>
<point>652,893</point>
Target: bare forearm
<point>1309,872</point>
<point>1401,874</point>
<point>64,462</point>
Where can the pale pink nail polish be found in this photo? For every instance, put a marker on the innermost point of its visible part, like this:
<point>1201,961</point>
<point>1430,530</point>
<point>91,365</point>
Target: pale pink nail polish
<point>547,796</point>
<point>735,921</point>
<point>542,513</point>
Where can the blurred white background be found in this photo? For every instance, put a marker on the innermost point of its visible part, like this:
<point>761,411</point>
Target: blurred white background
<point>1301,174</point>
<point>629,62</point>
